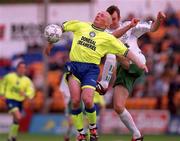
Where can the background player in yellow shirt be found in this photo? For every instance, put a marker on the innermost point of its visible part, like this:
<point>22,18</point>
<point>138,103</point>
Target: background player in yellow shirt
<point>90,44</point>
<point>16,87</point>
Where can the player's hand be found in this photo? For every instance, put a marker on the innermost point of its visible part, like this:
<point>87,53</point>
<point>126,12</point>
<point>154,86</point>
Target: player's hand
<point>161,16</point>
<point>134,22</point>
<point>2,98</point>
<point>47,51</point>
<point>22,94</point>
<point>144,67</point>
<point>100,89</point>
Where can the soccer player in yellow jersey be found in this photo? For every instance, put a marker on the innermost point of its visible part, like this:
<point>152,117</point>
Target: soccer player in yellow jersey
<point>16,87</point>
<point>90,44</point>
<point>98,101</point>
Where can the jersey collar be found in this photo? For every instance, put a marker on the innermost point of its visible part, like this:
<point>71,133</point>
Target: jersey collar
<point>97,28</point>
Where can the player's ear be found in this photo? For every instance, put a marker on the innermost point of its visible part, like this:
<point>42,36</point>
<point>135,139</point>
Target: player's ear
<point>108,23</point>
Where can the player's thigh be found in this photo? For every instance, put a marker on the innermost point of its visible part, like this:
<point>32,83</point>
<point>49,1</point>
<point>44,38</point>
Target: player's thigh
<point>88,96</point>
<point>74,88</point>
<point>17,115</point>
<point>14,108</point>
<point>126,78</point>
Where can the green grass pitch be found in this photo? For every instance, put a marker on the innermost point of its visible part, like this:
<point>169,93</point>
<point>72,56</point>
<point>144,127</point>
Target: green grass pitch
<point>32,137</point>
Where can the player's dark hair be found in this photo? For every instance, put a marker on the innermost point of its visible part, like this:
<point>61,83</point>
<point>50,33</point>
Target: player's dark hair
<point>21,63</point>
<point>111,9</point>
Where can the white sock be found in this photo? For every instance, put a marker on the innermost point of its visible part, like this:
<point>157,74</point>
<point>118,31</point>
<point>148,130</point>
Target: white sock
<point>92,126</point>
<point>127,119</point>
<point>108,70</point>
<point>82,132</point>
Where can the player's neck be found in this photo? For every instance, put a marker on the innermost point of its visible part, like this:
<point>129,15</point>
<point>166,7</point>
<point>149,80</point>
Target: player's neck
<point>19,75</point>
<point>114,27</point>
<point>98,27</point>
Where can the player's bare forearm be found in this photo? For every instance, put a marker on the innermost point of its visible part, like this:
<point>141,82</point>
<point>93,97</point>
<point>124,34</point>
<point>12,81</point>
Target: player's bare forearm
<point>2,97</point>
<point>119,32</point>
<point>47,49</point>
<point>124,61</point>
<point>160,18</point>
<point>136,60</point>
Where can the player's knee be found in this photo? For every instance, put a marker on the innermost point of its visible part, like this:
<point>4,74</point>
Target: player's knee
<point>88,103</point>
<point>75,103</point>
<point>17,116</point>
<point>17,119</point>
<point>119,108</point>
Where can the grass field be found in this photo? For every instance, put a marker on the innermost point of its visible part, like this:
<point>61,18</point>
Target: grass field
<point>30,137</point>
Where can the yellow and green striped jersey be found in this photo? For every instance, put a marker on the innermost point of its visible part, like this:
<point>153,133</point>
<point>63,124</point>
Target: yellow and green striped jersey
<point>90,43</point>
<point>12,85</point>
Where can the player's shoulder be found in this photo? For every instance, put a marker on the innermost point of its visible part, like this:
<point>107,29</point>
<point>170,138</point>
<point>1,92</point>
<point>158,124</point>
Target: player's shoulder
<point>27,79</point>
<point>107,35</point>
<point>82,23</point>
<point>73,22</point>
<point>86,24</point>
<point>10,75</point>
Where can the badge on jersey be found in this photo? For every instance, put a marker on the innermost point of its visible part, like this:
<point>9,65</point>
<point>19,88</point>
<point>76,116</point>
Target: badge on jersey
<point>17,82</point>
<point>92,34</point>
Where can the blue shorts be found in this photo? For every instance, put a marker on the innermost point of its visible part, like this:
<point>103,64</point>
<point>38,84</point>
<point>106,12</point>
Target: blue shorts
<point>86,73</point>
<point>12,104</point>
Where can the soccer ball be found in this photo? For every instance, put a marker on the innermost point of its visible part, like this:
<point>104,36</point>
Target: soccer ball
<point>52,33</point>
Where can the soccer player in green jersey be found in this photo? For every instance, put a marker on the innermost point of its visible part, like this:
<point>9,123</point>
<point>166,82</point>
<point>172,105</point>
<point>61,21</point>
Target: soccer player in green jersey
<point>90,44</point>
<point>127,72</point>
<point>16,87</point>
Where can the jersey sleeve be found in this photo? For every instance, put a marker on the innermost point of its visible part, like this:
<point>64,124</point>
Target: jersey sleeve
<point>71,25</point>
<point>3,84</point>
<point>30,91</point>
<point>1,87</point>
<point>141,28</point>
<point>117,47</point>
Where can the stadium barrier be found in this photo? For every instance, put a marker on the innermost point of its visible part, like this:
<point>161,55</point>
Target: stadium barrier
<point>5,122</point>
<point>174,125</point>
<point>48,124</point>
<point>148,121</point>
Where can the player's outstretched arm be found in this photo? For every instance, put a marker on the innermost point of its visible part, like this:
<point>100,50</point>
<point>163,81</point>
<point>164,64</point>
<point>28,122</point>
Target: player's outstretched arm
<point>160,18</point>
<point>119,32</point>
<point>47,49</point>
<point>137,61</point>
<point>124,62</point>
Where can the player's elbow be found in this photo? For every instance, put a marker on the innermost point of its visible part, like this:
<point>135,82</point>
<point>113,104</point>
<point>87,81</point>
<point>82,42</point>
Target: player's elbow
<point>116,34</point>
<point>153,29</point>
